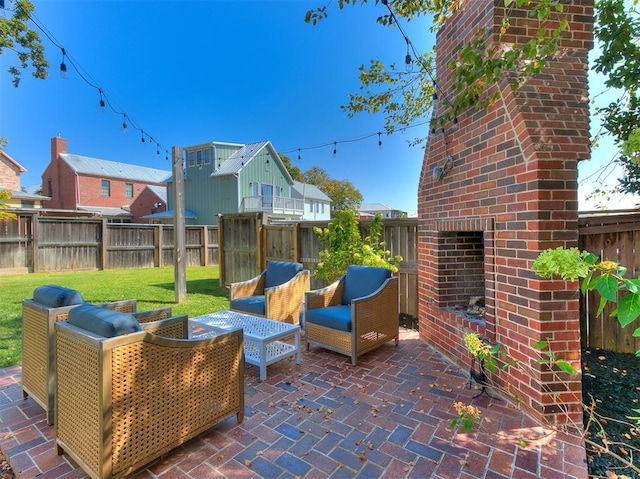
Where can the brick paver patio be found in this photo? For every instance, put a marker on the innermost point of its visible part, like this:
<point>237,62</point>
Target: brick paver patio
<point>388,417</point>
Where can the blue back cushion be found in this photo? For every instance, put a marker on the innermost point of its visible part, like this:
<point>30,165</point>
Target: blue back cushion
<point>362,281</point>
<point>279,272</point>
<point>103,321</point>
<point>57,296</point>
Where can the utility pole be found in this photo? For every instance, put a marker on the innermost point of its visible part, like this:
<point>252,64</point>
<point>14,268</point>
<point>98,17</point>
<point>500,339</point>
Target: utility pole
<point>179,247</point>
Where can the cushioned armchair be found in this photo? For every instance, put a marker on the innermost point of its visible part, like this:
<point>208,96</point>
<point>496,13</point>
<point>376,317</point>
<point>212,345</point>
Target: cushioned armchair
<point>355,314</point>
<point>277,293</point>
<point>128,393</point>
<point>50,304</point>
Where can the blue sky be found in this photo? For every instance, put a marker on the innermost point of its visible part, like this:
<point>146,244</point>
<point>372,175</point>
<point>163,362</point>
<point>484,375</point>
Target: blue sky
<point>190,72</point>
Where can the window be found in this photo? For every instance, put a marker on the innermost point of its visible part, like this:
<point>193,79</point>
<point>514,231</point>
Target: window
<point>267,196</point>
<point>199,158</point>
<point>128,190</point>
<point>254,188</point>
<point>28,204</point>
<point>322,207</point>
<point>191,158</point>
<point>106,188</point>
<point>50,187</point>
<point>207,156</point>
<point>278,190</point>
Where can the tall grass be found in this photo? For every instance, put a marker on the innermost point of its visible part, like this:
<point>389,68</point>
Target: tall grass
<point>152,287</point>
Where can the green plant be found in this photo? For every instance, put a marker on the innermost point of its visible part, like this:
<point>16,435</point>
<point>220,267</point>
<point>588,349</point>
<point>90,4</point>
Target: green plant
<point>606,277</point>
<point>344,245</point>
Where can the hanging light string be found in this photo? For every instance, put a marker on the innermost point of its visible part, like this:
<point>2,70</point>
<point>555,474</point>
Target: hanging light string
<point>104,100</point>
<point>438,92</point>
<point>335,143</point>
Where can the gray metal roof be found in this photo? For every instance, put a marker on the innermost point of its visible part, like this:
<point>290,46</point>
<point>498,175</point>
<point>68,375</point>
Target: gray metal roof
<point>307,190</point>
<point>23,195</point>
<point>376,207</point>
<point>240,158</point>
<point>114,169</point>
<point>160,191</point>
<point>169,214</point>
<point>105,211</point>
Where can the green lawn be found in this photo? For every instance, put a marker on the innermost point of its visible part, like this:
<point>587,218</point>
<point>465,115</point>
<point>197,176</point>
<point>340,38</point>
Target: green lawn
<point>152,287</point>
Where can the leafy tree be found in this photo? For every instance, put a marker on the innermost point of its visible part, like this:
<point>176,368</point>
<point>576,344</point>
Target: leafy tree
<point>17,37</point>
<point>344,245</point>
<point>5,195</point>
<point>344,195</point>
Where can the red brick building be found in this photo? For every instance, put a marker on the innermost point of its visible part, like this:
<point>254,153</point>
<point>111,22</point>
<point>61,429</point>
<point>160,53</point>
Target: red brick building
<point>508,192</point>
<point>107,188</point>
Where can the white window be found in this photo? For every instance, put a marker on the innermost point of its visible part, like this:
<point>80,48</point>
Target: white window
<point>191,157</point>
<point>207,156</point>
<point>199,158</point>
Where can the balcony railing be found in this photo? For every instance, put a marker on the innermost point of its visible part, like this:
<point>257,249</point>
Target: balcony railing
<point>273,204</point>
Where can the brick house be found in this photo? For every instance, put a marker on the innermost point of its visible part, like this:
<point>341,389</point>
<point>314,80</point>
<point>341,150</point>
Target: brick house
<point>10,171</point>
<point>497,187</point>
<point>106,188</point>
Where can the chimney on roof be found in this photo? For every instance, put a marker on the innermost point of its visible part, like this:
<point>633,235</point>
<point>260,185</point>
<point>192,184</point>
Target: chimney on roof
<point>58,146</point>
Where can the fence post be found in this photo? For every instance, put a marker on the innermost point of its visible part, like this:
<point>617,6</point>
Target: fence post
<point>103,247</point>
<point>204,244</point>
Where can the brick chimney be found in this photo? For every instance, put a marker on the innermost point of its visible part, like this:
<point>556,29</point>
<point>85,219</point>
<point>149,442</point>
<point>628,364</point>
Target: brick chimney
<point>509,191</point>
<point>58,145</point>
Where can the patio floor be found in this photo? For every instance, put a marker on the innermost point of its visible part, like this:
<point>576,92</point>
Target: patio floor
<point>388,417</point>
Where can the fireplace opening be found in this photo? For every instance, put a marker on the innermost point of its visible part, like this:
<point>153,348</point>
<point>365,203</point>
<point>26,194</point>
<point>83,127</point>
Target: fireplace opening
<point>461,275</point>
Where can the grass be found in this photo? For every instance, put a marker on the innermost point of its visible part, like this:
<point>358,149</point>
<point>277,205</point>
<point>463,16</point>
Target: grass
<point>152,287</point>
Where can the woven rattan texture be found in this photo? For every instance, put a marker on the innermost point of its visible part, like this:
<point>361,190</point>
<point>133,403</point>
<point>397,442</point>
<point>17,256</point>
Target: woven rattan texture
<point>164,406</point>
<point>35,354</point>
<point>78,399</point>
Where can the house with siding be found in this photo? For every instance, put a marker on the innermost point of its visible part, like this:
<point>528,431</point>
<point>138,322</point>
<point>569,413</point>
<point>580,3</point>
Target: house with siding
<point>369,210</point>
<point>104,188</point>
<point>227,178</point>
<point>317,205</point>
<point>10,171</point>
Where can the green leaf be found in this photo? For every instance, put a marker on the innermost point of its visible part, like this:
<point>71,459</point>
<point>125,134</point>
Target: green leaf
<point>636,333</point>
<point>566,367</point>
<point>540,345</point>
<point>628,309</point>
<point>607,287</point>
<point>467,425</point>
<point>601,306</point>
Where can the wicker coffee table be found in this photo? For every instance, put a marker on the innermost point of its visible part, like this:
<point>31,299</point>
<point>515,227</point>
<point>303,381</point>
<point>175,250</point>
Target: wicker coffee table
<point>263,337</point>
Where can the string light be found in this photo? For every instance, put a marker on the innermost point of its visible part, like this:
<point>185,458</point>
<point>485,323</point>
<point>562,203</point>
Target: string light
<point>299,154</point>
<point>104,98</point>
<point>63,66</point>
<point>379,140</point>
<point>101,100</point>
<point>335,148</point>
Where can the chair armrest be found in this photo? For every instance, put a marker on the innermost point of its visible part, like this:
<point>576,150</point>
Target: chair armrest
<point>379,306</point>
<point>251,287</point>
<point>176,327</point>
<point>152,315</point>
<point>283,302</point>
<point>328,296</point>
<point>124,306</point>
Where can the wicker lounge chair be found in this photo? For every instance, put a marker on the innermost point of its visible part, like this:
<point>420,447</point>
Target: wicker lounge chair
<point>355,314</point>
<point>277,293</point>
<point>125,400</point>
<point>51,304</point>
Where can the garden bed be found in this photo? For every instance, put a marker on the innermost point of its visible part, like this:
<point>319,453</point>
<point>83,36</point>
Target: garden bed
<point>612,381</point>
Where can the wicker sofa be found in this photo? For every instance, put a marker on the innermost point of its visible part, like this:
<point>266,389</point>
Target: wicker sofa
<point>50,304</point>
<point>355,314</point>
<point>277,293</point>
<point>125,400</point>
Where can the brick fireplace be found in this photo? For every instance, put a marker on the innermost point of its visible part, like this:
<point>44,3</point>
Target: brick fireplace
<point>509,191</point>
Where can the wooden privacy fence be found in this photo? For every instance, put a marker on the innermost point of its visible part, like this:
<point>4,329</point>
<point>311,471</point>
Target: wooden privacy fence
<point>42,244</point>
<point>247,242</point>
<point>614,238</point>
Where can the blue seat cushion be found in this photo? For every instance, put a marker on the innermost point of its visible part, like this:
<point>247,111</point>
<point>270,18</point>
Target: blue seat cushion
<point>103,321</point>
<point>333,317</point>
<point>57,296</point>
<point>279,272</point>
<point>361,281</point>
<point>249,304</point>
